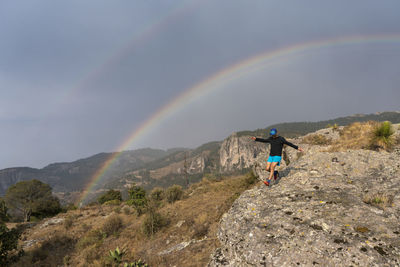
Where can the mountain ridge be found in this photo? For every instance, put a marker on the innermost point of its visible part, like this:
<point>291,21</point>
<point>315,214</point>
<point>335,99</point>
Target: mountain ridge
<point>155,167</point>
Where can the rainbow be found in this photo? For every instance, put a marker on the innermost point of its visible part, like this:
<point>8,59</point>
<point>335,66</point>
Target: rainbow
<point>223,77</point>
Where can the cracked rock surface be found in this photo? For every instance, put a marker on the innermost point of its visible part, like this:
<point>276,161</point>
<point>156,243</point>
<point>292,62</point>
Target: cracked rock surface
<point>319,213</point>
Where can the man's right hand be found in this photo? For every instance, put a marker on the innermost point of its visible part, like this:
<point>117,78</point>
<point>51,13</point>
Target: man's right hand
<point>253,138</point>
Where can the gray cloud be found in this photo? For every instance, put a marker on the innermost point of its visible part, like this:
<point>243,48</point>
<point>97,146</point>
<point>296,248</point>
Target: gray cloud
<point>76,78</point>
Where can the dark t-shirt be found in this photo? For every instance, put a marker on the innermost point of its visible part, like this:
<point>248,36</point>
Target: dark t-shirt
<point>276,144</point>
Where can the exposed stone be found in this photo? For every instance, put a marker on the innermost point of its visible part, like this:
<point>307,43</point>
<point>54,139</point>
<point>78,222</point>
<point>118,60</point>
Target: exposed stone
<point>315,213</point>
<point>52,221</point>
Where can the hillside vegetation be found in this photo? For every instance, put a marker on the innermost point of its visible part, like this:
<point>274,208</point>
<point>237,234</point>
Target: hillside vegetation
<point>186,234</point>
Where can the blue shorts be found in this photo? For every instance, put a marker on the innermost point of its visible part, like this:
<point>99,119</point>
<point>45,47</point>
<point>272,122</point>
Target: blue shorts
<point>275,159</point>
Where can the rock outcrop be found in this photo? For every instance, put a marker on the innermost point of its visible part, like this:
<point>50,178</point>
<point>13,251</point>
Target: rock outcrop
<point>240,152</point>
<point>327,209</point>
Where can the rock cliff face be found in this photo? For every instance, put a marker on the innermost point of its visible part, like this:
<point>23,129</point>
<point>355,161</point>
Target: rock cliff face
<point>327,209</point>
<point>240,152</point>
<point>237,153</point>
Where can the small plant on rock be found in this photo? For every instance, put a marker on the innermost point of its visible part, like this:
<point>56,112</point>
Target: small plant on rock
<point>382,136</point>
<point>317,139</point>
<point>381,200</point>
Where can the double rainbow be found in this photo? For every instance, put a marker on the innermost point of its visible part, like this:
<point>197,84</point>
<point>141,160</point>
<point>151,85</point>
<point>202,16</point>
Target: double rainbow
<point>223,77</point>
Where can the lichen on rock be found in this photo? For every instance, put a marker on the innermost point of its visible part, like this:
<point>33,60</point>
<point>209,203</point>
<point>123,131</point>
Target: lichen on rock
<point>316,214</point>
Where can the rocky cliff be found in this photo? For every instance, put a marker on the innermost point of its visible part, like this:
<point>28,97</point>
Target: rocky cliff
<point>327,209</point>
<point>237,153</point>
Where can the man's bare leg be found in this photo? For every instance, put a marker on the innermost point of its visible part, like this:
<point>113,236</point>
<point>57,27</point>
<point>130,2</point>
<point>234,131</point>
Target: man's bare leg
<point>272,169</point>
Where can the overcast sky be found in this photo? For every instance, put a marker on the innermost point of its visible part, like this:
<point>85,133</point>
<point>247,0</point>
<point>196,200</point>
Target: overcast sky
<point>78,77</point>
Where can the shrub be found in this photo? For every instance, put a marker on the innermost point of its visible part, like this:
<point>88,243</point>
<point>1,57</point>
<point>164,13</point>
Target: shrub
<point>153,223</point>
<point>94,237</point>
<point>39,254</point>
<point>174,193</point>
<point>317,139</point>
<point>112,225</point>
<point>91,253</point>
<point>117,210</point>
<point>3,211</point>
<point>355,136</point>
<point>115,256</point>
<point>113,202</point>
<point>126,210</point>
<point>250,178</point>
<point>110,195</point>
<point>67,260</point>
<point>8,243</point>
<point>137,198</point>
<point>381,200</point>
<point>334,127</point>
<point>382,136</point>
<point>200,230</point>
<point>68,207</point>
<point>157,194</point>
<point>213,177</point>
<point>68,222</point>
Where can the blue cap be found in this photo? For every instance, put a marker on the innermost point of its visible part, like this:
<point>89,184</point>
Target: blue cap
<point>273,131</point>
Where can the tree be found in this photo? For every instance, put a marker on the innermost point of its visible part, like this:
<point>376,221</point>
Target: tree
<point>33,197</point>
<point>137,198</point>
<point>110,195</point>
<point>3,211</point>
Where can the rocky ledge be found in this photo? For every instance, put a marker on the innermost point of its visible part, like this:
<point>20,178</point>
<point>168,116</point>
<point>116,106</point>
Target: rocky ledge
<point>327,209</point>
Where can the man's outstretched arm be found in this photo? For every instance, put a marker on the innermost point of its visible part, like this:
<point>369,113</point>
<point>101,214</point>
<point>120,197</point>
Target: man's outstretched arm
<point>260,139</point>
<point>292,145</point>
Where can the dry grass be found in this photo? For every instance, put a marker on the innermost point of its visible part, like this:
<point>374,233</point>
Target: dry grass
<point>380,200</point>
<point>317,139</point>
<point>355,136</point>
<point>112,225</point>
<point>194,217</point>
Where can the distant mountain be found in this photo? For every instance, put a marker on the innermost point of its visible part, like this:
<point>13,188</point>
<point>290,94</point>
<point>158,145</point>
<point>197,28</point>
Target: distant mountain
<point>74,176</point>
<point>295,129</point>
<point>153,167</point>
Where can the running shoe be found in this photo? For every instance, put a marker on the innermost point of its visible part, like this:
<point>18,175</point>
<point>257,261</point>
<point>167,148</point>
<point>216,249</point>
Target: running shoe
<point>267,182</point>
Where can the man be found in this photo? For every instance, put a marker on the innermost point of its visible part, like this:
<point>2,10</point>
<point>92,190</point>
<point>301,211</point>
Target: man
<point>275,155</point>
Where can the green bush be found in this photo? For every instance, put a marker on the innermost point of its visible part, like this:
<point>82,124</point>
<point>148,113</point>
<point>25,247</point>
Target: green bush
<point>109,196</point>
<point>157,194</point>
<point>3,211</point>
<point>137,199</point>
<point>382,136</point>
<point>8,243</point>
<point>153,223</point>
<point>174,193</point>
<point>112,225</point>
